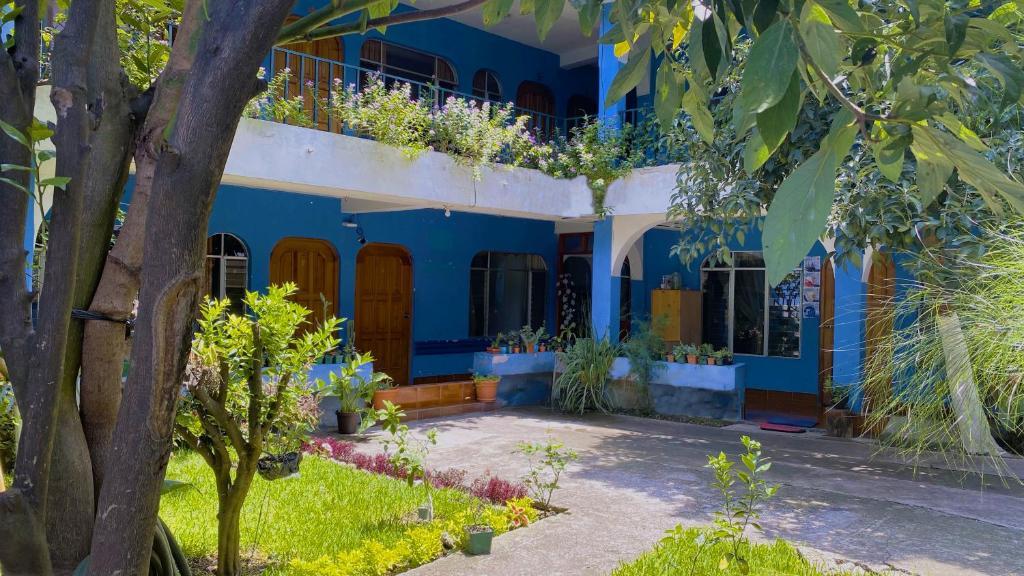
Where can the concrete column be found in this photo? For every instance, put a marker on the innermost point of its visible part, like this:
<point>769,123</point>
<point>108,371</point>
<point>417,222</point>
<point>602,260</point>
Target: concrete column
<point>848,358</point>
<point>606,286</point>
<point>607,66</point>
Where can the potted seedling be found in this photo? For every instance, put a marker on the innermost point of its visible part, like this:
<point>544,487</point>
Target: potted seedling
<point>504,342</point>
<point>707,354</point>
<point>724,357</point>
<point>670,356</point>
<point>351,394</point>
<point>384,390</point>
<point>531,337</point>
<point>542,346</point>
<point>495,347</point>
<point>688,351</point>
<point>479,534</point>
<point>406,452</point>
<point>486,387</point>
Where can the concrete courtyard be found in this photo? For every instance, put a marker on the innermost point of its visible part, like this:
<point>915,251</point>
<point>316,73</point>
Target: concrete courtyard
<point>842,504</point>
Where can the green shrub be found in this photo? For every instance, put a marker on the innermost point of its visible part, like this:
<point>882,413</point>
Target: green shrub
<point>582,386</point>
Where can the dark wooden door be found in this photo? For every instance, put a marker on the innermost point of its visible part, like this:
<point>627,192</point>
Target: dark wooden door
<point>313,70</point>
<point>537,101</point>
<point>878,329</point>
<point>383,314</point>
<point>826,332</point>
<point>313,266</point>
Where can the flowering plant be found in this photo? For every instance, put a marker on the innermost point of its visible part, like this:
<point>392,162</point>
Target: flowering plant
<point>275,104</point>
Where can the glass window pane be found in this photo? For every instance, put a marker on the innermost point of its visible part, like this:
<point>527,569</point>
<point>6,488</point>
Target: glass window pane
<point>715,308</point>
<point>538,298</point>
<point>236,281</point>
<point>233,246</point>
<point>477,303</point>
<point>479,261</point>
<point>748,329</point>
<point>213,245</point>
<point>784,317</point>
<point>213,287</point>
<point>748,260</point>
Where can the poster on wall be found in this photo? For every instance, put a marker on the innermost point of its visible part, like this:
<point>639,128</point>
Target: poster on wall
<point>811,286</point>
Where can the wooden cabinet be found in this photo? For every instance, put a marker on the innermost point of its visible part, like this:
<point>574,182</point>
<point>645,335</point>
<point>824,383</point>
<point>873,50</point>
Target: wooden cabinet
<point>681,310</point>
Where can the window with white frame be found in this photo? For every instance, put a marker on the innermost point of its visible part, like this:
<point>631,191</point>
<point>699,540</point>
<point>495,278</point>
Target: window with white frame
<point>506,292</point>
<point>741,312</point>
<point>227,269</point>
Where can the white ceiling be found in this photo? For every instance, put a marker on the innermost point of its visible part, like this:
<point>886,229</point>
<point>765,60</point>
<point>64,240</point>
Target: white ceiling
<point>564,39</point>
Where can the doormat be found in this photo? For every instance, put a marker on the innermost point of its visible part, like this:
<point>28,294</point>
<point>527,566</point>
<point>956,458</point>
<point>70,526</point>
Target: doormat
<point>794,421</point>
<point>782,428</point>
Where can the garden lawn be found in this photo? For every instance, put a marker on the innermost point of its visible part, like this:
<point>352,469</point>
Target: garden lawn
<point>675,555</point>
<point>328,510</point>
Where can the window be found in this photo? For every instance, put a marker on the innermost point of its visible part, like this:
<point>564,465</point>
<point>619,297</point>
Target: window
<point>227,269</point>
<point>407,64</point>
<point>486,86</point>
<point>742,313</point>
<point>506,292</point>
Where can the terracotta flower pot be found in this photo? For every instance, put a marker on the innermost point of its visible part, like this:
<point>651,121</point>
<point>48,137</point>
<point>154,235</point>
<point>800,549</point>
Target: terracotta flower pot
<point>385,395</point>
<point>516,349</point>
<point>711,361</point>
<point>530,348</point>
<point>493,350</point>
<point>691,358</point>
<point>542,348</point>
<point>487,390</point>
<point>670,357</point>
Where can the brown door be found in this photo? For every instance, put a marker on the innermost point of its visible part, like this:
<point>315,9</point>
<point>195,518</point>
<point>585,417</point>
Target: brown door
<point>826,332</point>
<point>538,103</point>
<point>384,308</point>
<point>878,329</point>
<point>313,266</point>
<point>312,72</point>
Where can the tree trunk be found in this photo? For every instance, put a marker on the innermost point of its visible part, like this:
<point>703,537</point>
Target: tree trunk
<point>235,37</point>
<point>971,421</point>
<point>229,533</point>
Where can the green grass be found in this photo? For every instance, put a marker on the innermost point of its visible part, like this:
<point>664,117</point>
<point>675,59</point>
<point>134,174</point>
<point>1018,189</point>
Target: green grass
<point>328,510</point>
<point>778,558</point>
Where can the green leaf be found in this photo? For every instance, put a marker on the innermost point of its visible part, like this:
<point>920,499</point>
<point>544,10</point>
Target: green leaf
<point>495,11</point>
<point>1009,74</point>
<point>56,181</point>
<point>589,12</point>
<point>956,30</point>
<point>713,45</point>
<point>14,167</point>
<point>933,170</point>
<point>526,7</point>
<point>629,75</point>
<point>769,68</point>
<point>765,13</point>
<point>821,39</point>
<point>16,185</point>
<point>889,159</point>
<point>15,134</point>
<point>777,121</point>
<point>842,14</point>
<point>668,94</point>
<point>695,103</point>
<point>954,125</point>
<point>756,153</point>
<point>172,486</point>
<point>547,13</point>
<point>973,168</point>
<point>800,209</point>
<point>695,52</point>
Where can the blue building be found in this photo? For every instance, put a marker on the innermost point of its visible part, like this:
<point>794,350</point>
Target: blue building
<point>430,262</point>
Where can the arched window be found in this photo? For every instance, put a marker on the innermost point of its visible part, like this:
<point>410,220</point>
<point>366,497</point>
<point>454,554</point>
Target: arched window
<point>227,269</point>
<point>486,85</point>
<point>407,64</point>
<point>313,66</point>
<point>506,292</point>
<point>537,101</point>
<point>741,312</point>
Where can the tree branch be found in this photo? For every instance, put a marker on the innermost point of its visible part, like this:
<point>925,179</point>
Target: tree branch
<point>297,30</point>
<point>392,19</point>
<point>221,417</point>
<point>195,444</point>
<point>256,389</point>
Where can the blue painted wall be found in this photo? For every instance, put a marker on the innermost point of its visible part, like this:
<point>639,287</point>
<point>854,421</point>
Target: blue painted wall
<point>469,49</point>
<point>766,373</point>
<point>441,248</point>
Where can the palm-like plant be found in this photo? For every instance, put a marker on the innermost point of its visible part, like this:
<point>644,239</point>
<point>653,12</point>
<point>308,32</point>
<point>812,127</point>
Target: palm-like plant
<point>582,386</point>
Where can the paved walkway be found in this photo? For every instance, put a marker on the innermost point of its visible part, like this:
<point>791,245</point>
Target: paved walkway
<point>638,477</point>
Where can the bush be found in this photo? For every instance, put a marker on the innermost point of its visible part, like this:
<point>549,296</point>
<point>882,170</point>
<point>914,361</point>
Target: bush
<point>497,490</point>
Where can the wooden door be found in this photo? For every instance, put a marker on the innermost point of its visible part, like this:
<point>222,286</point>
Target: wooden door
<point>826,333</point>
<point>538,103</point>
<point>878,329</point>
<point>312,72</point>
<point>383,311</point>
<point>313,266</point>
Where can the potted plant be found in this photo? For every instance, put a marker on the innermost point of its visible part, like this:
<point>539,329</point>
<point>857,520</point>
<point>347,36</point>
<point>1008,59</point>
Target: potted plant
<point>724,357</point>
<point>495,347</point>
<point>479,535</point>
<point>504,342</point>
<point>486,387</point>
<point>531,337</point>
<point>384,390</point>
<point>354,393</point>
<point>542,346</point>
<point>707,354</point>
<point>688,351</point>
<point>838,419</point>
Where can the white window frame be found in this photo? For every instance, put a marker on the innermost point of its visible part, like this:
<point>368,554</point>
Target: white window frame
<point>224,269</point>
<point>731,316</point>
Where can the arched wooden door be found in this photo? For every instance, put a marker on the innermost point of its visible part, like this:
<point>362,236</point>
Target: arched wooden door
<point>313,67</point>
<point>384,308</point>
<point>313,266</point>
<point>826,333</point>
<point>537,101</point>
<point>878,328</point>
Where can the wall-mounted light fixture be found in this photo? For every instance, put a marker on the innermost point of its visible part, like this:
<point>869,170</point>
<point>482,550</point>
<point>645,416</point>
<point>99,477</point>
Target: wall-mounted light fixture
<point>349,222</point>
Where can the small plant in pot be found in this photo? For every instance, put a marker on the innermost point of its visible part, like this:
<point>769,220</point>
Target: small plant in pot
<point>531,337</point>
<point>384,390</point>
<point>707,354</point>
<point>838,419</point>
<point>687,351</point>
<point>724,357</point>
<point>354,393</point>
<point>479,535</point>
<point>495,347</point>
<point>486,387</point>
<point>408,453</point>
